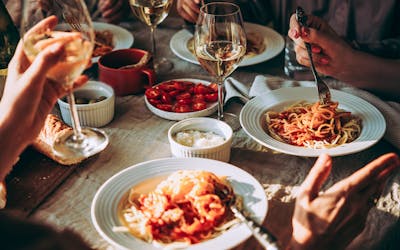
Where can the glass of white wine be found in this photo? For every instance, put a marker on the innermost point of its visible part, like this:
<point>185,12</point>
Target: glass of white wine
<point>152,13</point>
<point>72,26</point>
<point>220,45</point>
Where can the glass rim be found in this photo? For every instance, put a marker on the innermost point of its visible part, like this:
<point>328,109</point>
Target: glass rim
<point>236,10</point>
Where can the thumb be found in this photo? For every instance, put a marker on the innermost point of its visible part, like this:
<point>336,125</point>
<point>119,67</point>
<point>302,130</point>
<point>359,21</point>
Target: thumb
<point>45,60</point>
<point>321,38</point>
<point>317,176</point>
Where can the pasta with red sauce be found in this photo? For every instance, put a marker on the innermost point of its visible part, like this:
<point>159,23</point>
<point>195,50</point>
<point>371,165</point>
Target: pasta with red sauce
<point>313,125</point>
<point>188,207</point>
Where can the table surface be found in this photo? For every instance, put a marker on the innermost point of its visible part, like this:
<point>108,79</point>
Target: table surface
<point>61,195</point>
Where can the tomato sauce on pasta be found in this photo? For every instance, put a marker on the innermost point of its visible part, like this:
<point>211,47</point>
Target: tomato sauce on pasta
<point>188,207</point>
<point>313,125</point>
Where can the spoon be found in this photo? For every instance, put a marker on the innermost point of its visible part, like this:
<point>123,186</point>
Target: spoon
<point>144,60</point>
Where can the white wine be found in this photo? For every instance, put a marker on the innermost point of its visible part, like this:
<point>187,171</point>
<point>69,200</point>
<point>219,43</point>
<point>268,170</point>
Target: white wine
<point>9,38</point>
<point>77,54</point>
<point>151,12</point>
<point>220,58</point>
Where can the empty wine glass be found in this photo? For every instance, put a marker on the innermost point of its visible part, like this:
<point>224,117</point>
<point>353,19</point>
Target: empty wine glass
<point>74,28</point>
<point>220,44</point>
<point>152,13</point>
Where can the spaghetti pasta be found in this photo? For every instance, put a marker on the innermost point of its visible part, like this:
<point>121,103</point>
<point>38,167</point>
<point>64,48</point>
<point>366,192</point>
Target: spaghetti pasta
<point>186,208</point>
<point>103,43</point>
<point>313,125</point>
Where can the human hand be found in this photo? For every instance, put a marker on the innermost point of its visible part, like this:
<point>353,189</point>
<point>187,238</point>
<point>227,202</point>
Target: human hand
<point>331,219</point>
<point>113,11</point>
<point>188,9</point>
<point>331,54</point>
<point>28,95</point>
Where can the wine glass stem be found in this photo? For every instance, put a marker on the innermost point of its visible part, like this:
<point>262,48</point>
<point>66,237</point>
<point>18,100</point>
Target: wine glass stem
<point>78,136</point>
<point>153,42</point>
<point>220,83</point>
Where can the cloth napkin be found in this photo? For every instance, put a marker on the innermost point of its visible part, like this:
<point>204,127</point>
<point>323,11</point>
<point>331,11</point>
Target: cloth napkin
<point>231,86</point>
<point>390,110</point>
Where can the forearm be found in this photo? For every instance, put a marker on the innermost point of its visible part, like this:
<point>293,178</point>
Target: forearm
<point>373,73</point>
<point>11,145</point>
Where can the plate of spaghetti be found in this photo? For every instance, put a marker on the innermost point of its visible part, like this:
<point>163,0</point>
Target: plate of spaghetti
<point>263,43</point>
<point>177,203</point>
<point>292,121</point>
<point>110,37</point>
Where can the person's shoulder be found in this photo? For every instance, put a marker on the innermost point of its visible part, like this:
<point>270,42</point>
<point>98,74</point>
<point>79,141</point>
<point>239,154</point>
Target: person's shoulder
<point>20,233</point>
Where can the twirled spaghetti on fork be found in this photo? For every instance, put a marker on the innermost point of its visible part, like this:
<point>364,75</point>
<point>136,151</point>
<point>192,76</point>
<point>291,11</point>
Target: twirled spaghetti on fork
<point>313,125</point>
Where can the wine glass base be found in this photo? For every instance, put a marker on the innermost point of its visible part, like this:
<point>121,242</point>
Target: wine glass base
<point>231,119</point>
<point>163,66</point>
<point>93,141</point>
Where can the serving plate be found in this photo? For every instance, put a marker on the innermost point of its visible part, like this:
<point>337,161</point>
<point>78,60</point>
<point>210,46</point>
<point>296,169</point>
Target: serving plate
<point>273,40</point>
<point>252,119</point>
<point>211,107</point>
<point>122,38</point>
<point>105,203</point>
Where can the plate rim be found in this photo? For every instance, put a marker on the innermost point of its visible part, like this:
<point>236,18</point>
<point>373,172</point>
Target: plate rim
<point>183,36</point>
<point>219,166</point>
<point>172,116</point>
<point>115,29</point>
<point>302,151</point>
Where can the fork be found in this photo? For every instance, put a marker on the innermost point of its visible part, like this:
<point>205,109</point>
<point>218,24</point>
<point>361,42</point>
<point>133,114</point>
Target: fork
<point>265,238</point>
<point>73,22</point>
<point>323,89</point>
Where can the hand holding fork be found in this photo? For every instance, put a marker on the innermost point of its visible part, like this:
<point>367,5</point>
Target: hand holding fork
<point>323,89</point>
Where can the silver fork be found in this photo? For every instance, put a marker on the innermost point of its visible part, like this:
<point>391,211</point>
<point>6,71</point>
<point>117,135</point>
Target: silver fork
<point>323,89</point>
<point>266,239</point>
<point>73,22</point>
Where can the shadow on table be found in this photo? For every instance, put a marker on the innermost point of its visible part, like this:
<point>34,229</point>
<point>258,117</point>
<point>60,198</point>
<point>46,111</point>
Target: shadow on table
<point>281,174</point>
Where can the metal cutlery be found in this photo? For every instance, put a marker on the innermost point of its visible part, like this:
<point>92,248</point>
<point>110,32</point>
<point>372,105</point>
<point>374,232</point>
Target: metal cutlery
<point>266,239</point>
<point>323,89</point>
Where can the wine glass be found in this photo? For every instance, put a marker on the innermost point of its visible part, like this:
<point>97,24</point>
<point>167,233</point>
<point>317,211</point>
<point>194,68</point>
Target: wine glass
<point>220,44</point>
<point>74,27</point>
<point>152,13</point>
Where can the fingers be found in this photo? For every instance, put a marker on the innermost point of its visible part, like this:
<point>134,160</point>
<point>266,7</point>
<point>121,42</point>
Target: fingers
<point>46,59</point>
<point>111,12</point>
<point>377,170</point>
<point>189,10</point>
<point>46,24</point>
<point>62,90</point>
<point>19,59</point>
<point>318,56</point>
<point>81,80</point>
<point>57,37</point>
<point>317,176</point>
<point>294,28</point>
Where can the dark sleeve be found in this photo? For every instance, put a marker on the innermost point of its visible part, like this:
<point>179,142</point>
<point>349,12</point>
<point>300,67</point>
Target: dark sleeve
<point>389,45</point>
<point>21,234</point>
<point>256,11</point>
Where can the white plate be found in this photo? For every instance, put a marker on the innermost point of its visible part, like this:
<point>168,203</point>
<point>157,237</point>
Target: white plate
<point>211,107</point>
<point>122,39</point>
<point>273,40</point>
<point>252,119</point>
<point>105,203</point>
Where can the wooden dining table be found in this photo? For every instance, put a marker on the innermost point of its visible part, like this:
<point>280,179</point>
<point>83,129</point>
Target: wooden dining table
<point>61,196</point>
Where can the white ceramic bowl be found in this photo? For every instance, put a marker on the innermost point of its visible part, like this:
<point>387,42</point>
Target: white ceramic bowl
<point>211,107</point>
<point>219,152</point>
<point>96,114</point>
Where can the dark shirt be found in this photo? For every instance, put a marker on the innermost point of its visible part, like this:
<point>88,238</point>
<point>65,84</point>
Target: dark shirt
<point>373,25</point>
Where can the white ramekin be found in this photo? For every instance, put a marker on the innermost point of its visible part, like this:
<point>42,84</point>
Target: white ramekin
<point>96,114</point>
<point>220,152</point>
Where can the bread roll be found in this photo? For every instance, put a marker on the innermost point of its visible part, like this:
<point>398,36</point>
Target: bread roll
<point>53,127</point>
